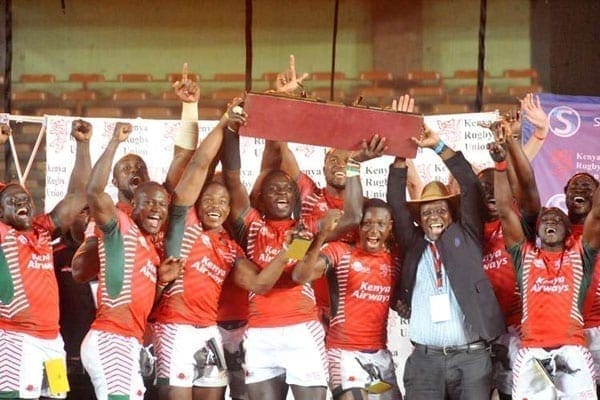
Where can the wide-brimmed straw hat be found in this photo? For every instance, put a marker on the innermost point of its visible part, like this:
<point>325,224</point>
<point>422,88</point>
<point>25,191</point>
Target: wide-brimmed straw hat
<point>433,191</point>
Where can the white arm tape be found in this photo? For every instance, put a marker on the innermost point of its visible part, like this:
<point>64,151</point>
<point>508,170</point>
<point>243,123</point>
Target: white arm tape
<point>187,137</point>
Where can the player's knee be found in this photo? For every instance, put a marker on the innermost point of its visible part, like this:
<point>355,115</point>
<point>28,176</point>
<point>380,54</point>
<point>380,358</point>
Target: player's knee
<point>349,394</point>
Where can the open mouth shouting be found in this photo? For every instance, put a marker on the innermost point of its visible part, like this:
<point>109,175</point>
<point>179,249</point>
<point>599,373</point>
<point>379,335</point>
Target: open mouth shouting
<point>23,212</point>
<point>135,181</point>
<point>579,200</point>
<point>436,227</point>
<point>154,221</point>
<point>373,242</point>
<point>282,204</point>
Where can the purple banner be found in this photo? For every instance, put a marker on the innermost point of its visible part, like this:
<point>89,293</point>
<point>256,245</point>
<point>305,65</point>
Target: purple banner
<point>572,144</point>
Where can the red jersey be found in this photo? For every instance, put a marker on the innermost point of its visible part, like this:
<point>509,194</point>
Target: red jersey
<point>364,281</point>
<point>591,304</point>
<point>233,303</point>
<point>127,278</point>
<point>28,287</point>
<point>193,297</point>
<point>553,286</point>
<point>287,303</point>
<point>501,272</point>
<point>157,239</point>
<point>315,203</point>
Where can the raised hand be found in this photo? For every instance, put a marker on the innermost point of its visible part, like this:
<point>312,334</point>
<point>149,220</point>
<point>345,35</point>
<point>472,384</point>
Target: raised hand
<point>497,151</point>
<point>122,131</point>
<point>330,220</point>
<point>532,110</point>
<point>513,119</point>
<point>288,81</point>
<point>404,103</point>
<point>81,130</point>
<point>235,116</point>
<point>5,133</point>
<point>372,149</point>
<point>428,138</point>
<point>186,89</point>
<point>169,270</point>
<point>501,131</point>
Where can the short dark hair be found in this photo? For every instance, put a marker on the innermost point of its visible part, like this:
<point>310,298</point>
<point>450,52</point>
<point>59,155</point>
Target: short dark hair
<point>563,216</point>
<point>375,203</point>
<point>577,175</point>
<point>149,184</point>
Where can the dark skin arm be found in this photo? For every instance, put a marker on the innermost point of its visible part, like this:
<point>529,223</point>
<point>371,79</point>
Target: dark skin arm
<point>511,223</point>
<point>102,208</point>
<point>81,131</point>
<point>195,174</point>
<point>522,176</point>
<point>240,201</point>
<point>312,266</point>
<point>591,226</point>
<point>168,270</point>
<point>85,264</point>
<point>65,212</point>
<point>249,276</point>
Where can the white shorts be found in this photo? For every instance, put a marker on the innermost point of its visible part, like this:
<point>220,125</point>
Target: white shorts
<point>572,376</point>
<point>347,373</point>
<point>22,359</point>
<point>503,378</point>
<point>113,363</point>
<point>592,336</point>
<point>176,345</point>
<point>298,351</point>
<point>234,355</point>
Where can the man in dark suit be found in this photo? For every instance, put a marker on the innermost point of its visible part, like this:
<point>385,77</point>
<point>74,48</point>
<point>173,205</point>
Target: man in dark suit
<point>443,291</point>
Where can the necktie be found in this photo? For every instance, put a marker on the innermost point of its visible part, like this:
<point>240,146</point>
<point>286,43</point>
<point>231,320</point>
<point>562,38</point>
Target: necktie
<point>437,264</point>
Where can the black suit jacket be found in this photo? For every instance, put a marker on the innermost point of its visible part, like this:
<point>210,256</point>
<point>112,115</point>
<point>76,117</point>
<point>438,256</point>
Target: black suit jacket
<point>460,248</point>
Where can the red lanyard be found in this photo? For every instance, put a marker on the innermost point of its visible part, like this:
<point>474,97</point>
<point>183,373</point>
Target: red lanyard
<point>437,263</point>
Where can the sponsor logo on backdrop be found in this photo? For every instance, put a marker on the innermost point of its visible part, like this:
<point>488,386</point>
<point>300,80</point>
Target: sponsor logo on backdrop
<point>564,121</point>
<point>557,200</point>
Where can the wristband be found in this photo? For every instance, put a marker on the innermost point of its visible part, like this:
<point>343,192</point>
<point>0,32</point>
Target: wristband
<point>187,136</point>
<point>500,166</point>
<point>440,147</point>
<point>538,137</point>
<point>352,171</point>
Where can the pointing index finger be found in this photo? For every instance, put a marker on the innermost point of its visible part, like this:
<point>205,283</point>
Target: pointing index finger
<point>292,67</point>
<point>184,72</point>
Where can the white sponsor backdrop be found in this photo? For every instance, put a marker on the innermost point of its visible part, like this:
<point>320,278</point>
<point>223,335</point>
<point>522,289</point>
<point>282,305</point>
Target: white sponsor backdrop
<point>153,140</point>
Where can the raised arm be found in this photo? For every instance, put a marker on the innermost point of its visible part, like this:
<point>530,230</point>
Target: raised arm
<point>532,110</point>
<point>195,173</point>
<point>102,208</point>
<point>404,228</point>
<point>65,212</point>
<point>232,163</point>
<point>591,226</point>
<point>353,203</point>
<point>511,224</point>
<point>81,131</point>
<point>186,139</point>
<point>527,195</point>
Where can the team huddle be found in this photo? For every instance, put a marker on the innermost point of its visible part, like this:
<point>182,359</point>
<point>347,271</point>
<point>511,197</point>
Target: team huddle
<point>289,286</point>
